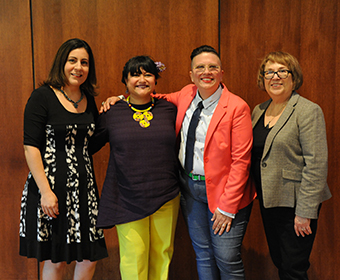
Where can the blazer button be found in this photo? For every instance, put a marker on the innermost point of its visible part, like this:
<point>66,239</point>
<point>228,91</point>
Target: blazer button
<point>264,164</point>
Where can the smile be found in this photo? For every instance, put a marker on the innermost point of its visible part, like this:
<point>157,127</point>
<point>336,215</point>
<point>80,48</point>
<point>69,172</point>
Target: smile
<point>276,84</point>
<point>207,80</point>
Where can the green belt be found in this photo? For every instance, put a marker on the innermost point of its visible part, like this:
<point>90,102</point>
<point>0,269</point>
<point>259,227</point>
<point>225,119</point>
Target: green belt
<point>196,177</point>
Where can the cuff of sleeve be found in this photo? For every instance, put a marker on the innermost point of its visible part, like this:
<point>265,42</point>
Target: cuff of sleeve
<point>226,213</point>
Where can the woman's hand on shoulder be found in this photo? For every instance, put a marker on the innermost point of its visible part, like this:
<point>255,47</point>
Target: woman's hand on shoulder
<point>112,100</point>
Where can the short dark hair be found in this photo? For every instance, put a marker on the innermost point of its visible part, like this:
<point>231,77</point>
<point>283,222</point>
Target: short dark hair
<point>283,58</point>
<point>56,78</point>
<point>202,49</point>
<point>135,64</point>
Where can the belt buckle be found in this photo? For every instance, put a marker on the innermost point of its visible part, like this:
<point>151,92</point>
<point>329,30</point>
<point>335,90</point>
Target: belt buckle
<point>196,177</point>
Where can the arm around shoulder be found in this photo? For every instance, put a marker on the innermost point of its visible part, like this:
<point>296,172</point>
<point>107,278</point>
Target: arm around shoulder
<point>175,97</point>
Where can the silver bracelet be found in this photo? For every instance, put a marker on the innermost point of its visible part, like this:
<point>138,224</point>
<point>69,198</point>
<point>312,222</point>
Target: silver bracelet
<point>121,97</point>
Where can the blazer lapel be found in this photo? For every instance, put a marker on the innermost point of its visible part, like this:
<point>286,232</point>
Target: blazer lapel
<point>290,108</point>
<point>220,111</point>
<point>262,109</point>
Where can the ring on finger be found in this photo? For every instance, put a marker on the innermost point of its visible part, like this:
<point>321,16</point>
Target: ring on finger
<point>103,102</point>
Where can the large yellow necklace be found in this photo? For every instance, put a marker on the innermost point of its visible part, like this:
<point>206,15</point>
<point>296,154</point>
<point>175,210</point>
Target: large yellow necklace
<point>142,116</point>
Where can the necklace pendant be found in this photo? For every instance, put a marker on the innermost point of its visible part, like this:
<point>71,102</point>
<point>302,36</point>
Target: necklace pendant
<point>138,116</point>
<point>143,118</point>
<point>144,123</point>
<point>75,104</point>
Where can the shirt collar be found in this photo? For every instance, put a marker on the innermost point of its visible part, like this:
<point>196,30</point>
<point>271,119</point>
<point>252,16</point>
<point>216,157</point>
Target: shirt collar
<point>210,100</point>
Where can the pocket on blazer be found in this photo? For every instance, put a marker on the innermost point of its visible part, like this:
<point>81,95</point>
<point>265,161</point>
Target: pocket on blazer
<point>291,183</point>
<point>291,175</point>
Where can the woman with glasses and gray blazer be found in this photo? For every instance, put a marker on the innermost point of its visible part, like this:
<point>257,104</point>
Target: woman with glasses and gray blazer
<point>289,164</point>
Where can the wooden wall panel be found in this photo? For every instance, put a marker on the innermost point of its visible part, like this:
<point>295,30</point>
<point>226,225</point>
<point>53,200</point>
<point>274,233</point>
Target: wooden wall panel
<point>15,82</point>
<point>320,56</point>
<point>310,31</point>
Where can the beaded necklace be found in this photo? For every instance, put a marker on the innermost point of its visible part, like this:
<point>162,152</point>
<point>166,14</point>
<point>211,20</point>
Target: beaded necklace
<point>142,116</point>
<point>75,104</point>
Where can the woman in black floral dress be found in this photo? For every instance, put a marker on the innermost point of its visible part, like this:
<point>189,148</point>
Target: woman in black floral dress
<point>60,198</point>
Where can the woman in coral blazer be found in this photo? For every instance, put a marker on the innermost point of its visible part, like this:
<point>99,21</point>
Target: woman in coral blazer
<point>216,195</point>
<point>226,168</point>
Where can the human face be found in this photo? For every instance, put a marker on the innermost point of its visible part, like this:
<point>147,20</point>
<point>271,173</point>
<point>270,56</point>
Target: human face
<point>140,86</point>
<point>277,88</point>
<point>76,68</point>
<point>206,73</point>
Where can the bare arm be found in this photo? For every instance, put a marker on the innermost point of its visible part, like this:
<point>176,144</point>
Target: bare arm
<point>49,201</point>
<point>112,100</point>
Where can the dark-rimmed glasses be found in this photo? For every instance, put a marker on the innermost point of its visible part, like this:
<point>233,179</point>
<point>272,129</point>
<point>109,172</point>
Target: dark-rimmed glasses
<point>282,74</point>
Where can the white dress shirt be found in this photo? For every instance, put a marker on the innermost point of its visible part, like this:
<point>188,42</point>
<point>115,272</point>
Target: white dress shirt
<point>209,106</point>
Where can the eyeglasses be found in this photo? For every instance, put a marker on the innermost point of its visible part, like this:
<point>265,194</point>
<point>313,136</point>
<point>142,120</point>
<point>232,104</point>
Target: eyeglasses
<point>211,68</point>
<point>282,74</point>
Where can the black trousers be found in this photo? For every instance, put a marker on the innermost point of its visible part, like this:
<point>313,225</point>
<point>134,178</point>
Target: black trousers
<point>289,252</point>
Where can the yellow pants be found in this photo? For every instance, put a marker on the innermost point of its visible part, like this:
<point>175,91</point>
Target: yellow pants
<point>146,246</point>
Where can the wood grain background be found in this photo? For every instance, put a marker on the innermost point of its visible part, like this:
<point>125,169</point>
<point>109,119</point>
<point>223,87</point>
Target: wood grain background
<point>244,31</point>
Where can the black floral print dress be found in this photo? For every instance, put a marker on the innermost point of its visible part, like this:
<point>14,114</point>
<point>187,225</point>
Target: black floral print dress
<point>62,138</point>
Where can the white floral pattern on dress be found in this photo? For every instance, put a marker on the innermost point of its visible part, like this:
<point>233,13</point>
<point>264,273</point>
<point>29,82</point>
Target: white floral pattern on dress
<point>44,226</point>
<point>72,183</point>
<point>94,234</point>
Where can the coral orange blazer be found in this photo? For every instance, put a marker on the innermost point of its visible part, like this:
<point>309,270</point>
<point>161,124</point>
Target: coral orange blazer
<point>227,151</point>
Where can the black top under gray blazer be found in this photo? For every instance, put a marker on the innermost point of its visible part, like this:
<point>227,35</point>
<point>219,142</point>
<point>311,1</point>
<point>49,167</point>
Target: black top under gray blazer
<point>294,160</point>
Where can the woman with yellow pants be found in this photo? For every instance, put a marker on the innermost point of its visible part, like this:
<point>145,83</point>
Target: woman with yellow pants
<point>140,195</point>
<point>148,243</point>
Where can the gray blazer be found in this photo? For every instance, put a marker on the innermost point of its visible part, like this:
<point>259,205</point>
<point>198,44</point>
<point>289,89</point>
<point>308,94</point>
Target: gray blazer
<point>294,160</point>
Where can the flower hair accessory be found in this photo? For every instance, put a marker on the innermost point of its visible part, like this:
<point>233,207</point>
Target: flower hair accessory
<point>160,66</point>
